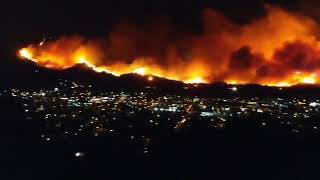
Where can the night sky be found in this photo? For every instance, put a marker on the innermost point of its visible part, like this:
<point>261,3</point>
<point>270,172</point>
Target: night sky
<point>28,19</point>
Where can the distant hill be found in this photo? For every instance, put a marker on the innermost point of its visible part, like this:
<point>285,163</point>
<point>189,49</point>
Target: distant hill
<point>27,75</point>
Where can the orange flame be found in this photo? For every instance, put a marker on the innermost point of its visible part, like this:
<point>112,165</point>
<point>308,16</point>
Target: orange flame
<point>139,68</point>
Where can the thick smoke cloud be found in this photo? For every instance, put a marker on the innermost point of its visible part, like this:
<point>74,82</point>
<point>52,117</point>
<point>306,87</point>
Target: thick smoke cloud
<point>299,56</point>
<point>243,59</point>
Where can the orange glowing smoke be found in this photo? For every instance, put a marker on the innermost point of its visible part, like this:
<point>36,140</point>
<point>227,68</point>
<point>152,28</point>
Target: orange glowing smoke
<point>280,49</point>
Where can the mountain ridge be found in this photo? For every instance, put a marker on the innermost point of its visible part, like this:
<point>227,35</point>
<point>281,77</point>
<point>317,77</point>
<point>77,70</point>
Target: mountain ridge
<point>32,76</point>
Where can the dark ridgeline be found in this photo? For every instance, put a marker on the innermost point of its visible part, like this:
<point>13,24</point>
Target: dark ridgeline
<point>31,76</point>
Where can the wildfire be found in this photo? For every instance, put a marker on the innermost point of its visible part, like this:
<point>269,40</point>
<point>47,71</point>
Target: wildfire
<point>263,52</point>
<point>296,78</point>
<point>196,80</point>
<point>116,70</point>
<point>25,53</point>
<point>307,79</point>
<point>141,71</point>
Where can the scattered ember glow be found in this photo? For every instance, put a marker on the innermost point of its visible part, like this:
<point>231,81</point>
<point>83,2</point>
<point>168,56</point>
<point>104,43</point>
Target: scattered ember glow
<point>150,78</point>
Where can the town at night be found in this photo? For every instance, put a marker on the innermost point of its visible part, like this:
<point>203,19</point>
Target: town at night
<point>71,109</point>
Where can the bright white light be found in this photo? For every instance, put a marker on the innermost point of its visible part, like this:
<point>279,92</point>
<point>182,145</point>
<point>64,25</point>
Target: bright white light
<point>79,154</point>
<point>314,104</point>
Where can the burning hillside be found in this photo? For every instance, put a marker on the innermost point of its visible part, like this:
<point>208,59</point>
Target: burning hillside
<point>280,49</point>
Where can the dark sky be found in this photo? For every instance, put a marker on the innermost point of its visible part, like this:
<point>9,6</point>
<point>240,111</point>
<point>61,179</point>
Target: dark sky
<point>92,17</point>
<point>23,21</point>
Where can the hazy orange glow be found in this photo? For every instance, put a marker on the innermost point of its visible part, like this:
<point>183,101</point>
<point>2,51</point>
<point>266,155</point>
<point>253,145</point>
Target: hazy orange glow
<point>280,49</point>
